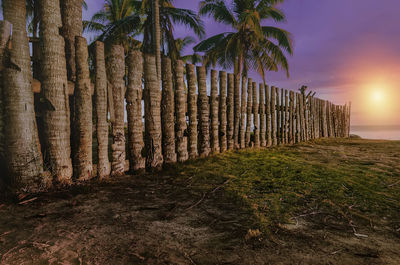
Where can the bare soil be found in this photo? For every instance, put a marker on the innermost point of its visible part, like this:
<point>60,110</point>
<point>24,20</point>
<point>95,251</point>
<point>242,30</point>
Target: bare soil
<point>162,219</point>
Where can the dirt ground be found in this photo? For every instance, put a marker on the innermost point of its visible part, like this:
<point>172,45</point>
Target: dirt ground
<point>158,219</point>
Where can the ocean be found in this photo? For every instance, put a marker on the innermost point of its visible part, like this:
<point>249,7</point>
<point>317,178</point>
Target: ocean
<point>391,132</point>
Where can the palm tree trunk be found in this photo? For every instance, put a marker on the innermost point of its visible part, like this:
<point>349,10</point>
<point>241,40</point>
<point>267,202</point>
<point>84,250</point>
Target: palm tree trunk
<point>214,112</point>
<point>286,123</point>
<point>230,112</point>
<point>180,109</point>
<point>282,112</point>
<point>83,167</point>
<point>24,159</point>
<point>204,112</point>
<point>263,142</point>
<point>116,73</point>
<point>222,111</point>
<point>298,123</point>
<point>249,111</point>
<point>167,113</point>
<point>157,37</point>
<point>236,110</point>
<point>134,111</point>
<point>273,116</point>
<point>278,117</point>
<point>192,108</point>
<point>243,113</point>
<point>291,117</point>
<point>71,14</point>
<point>256,118</point>
<point>5,33</point>
<point>103,164</point>
<point>152,114</point>
<point>56,117</point>
<point>268,114</point>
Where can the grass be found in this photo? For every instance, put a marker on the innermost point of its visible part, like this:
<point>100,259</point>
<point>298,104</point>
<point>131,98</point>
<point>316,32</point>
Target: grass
<point>356,181</point>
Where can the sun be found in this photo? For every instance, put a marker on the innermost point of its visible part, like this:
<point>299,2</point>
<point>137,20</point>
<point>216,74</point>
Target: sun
<point>377,96</point>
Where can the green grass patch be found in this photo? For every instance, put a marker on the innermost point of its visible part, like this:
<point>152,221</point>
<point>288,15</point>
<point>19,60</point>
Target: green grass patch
<point>355,180</point>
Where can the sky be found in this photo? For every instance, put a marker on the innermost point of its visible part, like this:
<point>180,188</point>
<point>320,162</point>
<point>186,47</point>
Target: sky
<point>344,50</point>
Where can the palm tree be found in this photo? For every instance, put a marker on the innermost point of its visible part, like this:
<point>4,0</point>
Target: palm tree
<point>169,15</point>
<point>181,44</point>
<point>119,22</point>
<point>249,44</point>
<point>56,118</point>
<point>23,159</point>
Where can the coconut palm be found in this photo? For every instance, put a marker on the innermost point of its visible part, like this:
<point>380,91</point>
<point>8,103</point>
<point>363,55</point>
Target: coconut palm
<point>169,16</point>
<point>117,23</point>
<point>181,44</point>
<point>249,44</point>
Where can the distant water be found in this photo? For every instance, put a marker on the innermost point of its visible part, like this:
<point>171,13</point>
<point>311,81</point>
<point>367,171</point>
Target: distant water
<point>391,132</point>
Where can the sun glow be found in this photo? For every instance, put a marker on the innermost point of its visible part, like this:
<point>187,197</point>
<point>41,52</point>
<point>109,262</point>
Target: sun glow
<point>377,96</point>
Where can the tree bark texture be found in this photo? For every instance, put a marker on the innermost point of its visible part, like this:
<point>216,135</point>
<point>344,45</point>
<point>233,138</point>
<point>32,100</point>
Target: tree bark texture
<point>54,88</point>
<point>71,14</point>
<point>22,150</point>
<point>298,118</point>
<point>180,110</point>
<point>167,113</point>
<point>278,117</point>
<point>291,118</point>
<point>243,114</point>
<point>273,116</point>
<point>204,112</point>
<point>282,112</point>
<point>157,37</point>
<point>255,116</point>
<point>134,111</point>
<point>230,112</point>
<point>263,142</point>
<point>116,73</point>
<point>5,33</point>
<point>103,164</point>
<point>152,114</point>
<point>214,112</point>
<point>83,165</point>
<point>192,109</point>
<point>268,116</point>
<point>222,111</point>
<point>236,110</point>
<point>249,111</point>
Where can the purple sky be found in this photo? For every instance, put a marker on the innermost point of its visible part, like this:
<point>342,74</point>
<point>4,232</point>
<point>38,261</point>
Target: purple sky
<point>343,49</point>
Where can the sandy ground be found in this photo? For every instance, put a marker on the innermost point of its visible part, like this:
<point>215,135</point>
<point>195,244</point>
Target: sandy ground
<point>155,219</point>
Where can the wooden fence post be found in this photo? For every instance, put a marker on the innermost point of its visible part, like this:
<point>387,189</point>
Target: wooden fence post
<point>236,110</point>
<point>100,92</point>
<point>298,118</point>
<point>273,116</point>
<point>152,114</point>
<point>204,112</point>
<point>192,109</point>
<point>268,114</point>
<point>222,111</point>
<point>180,110</point>
<point>249,111</point>
<point>263,142</point>
<point>282,111</point>
<point>83,165</point>
<point>278,117</point>
<point>291,118</point>
<point>230,111</point>
<point>134,111</point>
<point>286,123</point>
<point>116,78</point>
<point>167,113</point>
<point>214,112</point>
<point>256,118</point>
<point>243,114</point>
